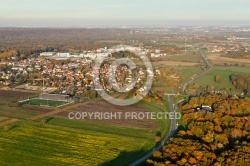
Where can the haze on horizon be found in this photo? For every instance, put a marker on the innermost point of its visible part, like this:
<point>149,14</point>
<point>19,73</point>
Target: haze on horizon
<point>116,13</point>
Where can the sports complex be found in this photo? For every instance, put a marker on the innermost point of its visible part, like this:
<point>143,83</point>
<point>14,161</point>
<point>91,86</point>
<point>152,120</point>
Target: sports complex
<point>48,100</point>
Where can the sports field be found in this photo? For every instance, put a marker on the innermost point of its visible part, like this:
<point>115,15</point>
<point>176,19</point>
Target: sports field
<point>47,103</point>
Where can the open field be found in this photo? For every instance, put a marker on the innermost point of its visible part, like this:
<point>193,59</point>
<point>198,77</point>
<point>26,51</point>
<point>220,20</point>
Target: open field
<point>174,63</point>
<point>9,105</point>
<point>104,107</point>
<point>2,118</point>
<point>31,143</point>
<point>13,95</point>
<point>54,140</point>
<point>22,112</point>
<point>187,72</point>
<point>216,59</point>
<point>187,58</point>
<point>224,73</point>
<point>7,122</point>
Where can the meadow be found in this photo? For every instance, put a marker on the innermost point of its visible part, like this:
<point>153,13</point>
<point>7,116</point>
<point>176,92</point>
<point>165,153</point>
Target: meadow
<point>224,73</point>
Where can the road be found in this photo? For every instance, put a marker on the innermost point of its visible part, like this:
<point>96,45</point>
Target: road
<point>208,69</point>
<point>172,108</point>
<point>164,140</point>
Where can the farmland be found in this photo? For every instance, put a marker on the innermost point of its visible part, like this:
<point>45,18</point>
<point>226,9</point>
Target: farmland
<point>32,143</point>
<point>9,105</point>
<point>56,140</point>
<point>13,96</point>
<point>217,59</point>
<point>131,123</point>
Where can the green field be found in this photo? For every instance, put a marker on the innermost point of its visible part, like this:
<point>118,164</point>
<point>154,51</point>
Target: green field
<point>60,141</point>
<point>187,71</point>
<point>31,143</point>
<point>224,73</point>
<point>48,103</point>
<point>189,56</point>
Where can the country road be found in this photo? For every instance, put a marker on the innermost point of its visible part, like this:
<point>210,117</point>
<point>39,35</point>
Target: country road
<point>208,64</point>
<point>164,140</point>
<point>173,109</point>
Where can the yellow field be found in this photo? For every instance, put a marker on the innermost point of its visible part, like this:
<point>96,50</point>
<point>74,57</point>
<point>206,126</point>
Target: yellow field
<point>31,143</point>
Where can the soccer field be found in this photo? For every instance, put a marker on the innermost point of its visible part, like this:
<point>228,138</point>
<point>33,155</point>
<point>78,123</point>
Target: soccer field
<point>48,103</point>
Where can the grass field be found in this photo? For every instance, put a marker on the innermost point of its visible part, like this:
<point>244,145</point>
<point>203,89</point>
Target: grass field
<point>187,71</point>
<point>187,57</point>
<point>31,143</point>
<point>48,103</point>
<point>224,73</point>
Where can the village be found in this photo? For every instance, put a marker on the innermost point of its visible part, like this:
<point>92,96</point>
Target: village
<point>72,74</point>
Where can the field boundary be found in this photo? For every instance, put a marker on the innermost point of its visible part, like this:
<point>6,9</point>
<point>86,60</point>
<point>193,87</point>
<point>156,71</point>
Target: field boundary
<point>7,122</point>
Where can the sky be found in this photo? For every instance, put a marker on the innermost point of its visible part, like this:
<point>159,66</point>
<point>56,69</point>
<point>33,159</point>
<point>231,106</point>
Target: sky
<point>116,13</point>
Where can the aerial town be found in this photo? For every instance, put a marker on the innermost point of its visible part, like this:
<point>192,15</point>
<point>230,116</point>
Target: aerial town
<point>125,83</point>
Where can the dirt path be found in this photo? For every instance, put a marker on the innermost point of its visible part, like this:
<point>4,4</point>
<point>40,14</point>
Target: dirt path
<point>56,111</point>
<point>7,122</point>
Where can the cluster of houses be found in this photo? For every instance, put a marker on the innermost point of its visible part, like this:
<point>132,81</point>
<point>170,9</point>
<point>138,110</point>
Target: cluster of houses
<point>102,53</point>
<point>72,78</point>
<point>233,44</point>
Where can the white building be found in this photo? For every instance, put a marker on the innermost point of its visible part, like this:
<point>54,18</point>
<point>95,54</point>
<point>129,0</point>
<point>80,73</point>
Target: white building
<point>47,54</point>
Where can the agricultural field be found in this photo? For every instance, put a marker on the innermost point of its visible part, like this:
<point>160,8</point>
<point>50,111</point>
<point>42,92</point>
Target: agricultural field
<point>13,96</point>
<point>104,106</point>
<point>9,106</point>
<point>217,59</point>
<point>174,63</point>
<point>191,57</point>
<point>2,118</point>
<point>57,140</point>
<point>32,143</point>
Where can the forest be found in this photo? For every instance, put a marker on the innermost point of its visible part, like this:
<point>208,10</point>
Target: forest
<point>241,82</point>
<point>219,138</point>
